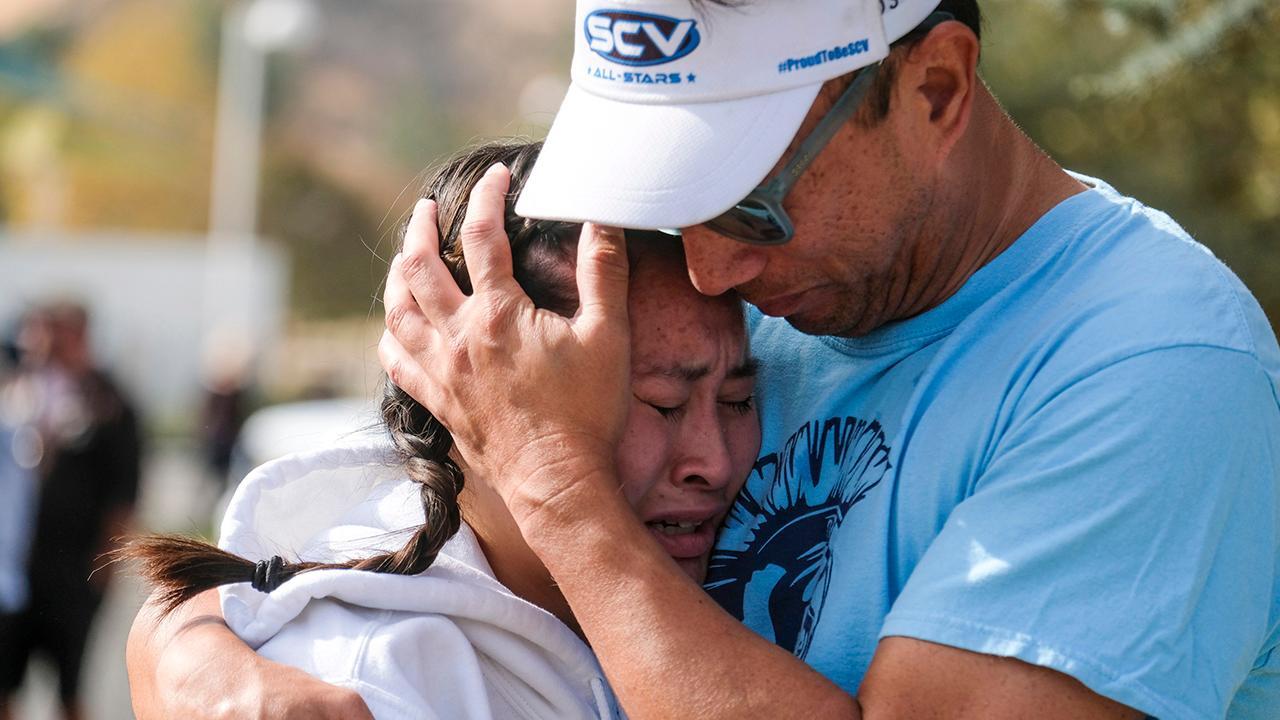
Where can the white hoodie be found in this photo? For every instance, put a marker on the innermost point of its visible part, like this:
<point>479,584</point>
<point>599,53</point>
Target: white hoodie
<point>451,643</point>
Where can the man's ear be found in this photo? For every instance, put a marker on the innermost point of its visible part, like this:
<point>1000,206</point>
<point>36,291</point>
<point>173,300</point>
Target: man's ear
<point>936,85</point>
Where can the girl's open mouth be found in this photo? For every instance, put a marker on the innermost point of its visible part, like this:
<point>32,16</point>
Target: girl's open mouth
<point>683,539</point>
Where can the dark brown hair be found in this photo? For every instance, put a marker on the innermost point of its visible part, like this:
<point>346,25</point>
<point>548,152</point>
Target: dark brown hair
<point>875,107</point>
<point>543,253</point>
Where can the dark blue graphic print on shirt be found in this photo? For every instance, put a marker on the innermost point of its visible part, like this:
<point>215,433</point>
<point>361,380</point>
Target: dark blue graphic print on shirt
<point>774,555</point>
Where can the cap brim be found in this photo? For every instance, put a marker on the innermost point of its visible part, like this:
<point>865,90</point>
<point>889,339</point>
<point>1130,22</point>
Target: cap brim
<point>645,166</point>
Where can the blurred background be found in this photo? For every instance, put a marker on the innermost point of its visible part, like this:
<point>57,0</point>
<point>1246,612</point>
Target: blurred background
<point>217,184</point>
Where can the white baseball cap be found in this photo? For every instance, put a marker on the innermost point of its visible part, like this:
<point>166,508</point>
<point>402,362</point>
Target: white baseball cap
<point>675,114</point>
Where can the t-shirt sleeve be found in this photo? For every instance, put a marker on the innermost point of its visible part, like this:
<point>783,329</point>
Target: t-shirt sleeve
<point>1124,533</point>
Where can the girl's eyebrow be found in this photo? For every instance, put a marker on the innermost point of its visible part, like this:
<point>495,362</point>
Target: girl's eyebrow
<point>693,373</point>
<point>688,373</point>
<point>746,369</point>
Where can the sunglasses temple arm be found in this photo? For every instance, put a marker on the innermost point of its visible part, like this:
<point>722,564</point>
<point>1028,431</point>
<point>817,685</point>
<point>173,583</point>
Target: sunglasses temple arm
<point>849,102</point>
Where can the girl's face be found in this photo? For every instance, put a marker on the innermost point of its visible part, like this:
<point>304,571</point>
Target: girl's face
<point>692,433</point>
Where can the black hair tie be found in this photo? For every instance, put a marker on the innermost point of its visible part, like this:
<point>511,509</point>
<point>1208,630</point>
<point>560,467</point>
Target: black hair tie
<point>268,574</point>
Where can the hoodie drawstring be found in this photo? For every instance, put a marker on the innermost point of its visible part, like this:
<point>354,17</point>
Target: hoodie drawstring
<point>606,707</point>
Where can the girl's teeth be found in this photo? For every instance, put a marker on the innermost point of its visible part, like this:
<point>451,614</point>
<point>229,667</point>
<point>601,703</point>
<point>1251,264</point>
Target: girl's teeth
<point>675,528</point>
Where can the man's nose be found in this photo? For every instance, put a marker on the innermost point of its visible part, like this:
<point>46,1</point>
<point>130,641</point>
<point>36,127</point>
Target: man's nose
<point>718,264</point>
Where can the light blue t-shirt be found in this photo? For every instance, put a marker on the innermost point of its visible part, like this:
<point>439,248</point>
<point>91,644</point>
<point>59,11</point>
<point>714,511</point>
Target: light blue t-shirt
<point>1073,461</point>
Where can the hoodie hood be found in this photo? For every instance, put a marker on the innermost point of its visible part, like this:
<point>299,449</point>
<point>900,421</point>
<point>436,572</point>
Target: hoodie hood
<point>351,502</point>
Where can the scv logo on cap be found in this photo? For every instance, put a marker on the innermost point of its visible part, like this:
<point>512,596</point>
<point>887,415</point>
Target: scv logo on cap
<point>638,39</point>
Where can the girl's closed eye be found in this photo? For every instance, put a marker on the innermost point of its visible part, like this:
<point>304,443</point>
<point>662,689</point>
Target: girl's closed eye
<point>670,412</point>
<point>743,406</point>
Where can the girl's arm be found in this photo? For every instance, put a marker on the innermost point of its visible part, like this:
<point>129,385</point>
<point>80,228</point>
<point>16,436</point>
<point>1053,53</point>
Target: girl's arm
<point>189,664</point>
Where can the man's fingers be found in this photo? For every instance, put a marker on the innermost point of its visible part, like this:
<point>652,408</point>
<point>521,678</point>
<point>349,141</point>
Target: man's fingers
<point>602,273</point>
<point>424,273</point>
<point>396,290</point>
<point>403,370</point>
<point>484,237</point>
<point>403,316</point>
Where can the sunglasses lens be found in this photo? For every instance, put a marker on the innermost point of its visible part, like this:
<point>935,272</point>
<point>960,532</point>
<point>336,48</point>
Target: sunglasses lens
<point>751,221</point>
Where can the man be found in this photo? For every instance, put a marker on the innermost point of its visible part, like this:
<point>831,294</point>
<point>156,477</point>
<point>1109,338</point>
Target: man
<point>1019,476</point>
<point>1021,433</point>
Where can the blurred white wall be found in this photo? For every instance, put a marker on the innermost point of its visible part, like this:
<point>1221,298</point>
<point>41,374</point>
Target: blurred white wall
<point>154,302</point>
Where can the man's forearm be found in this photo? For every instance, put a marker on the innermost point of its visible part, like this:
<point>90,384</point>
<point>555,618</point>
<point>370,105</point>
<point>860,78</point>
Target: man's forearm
<point>190,665</point>
<point>667,648</point>
<point>164,651</point>
<point>670,651</point>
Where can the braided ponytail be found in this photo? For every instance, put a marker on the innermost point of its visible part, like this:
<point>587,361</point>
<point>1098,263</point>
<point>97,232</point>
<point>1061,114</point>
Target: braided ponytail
<point>424,446</point>
<point>543,253</point>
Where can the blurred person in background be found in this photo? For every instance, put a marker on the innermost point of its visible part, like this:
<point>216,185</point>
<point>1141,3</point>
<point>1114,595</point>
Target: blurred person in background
<point>227,398</point>
<point>83,444</point>
<point>17,494</point>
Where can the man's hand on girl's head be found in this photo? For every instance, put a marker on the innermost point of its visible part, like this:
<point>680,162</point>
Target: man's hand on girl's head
<point>534,400</point>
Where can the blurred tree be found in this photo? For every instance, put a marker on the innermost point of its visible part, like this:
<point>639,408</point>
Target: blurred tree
<point>330,237</point>
<point>1175,102</point>
<point>1183,32</point>
<point>144,64</point>
<point>112,120</point>
<point>33,107</point>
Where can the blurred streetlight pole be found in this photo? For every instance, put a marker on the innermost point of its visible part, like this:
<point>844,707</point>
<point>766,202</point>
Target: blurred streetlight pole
<point>251,31</point>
